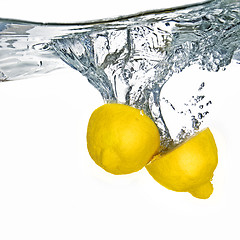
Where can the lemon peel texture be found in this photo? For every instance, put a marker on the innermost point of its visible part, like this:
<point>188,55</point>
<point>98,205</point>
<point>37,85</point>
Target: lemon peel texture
<point>189,167</point>
<point>121,139</point>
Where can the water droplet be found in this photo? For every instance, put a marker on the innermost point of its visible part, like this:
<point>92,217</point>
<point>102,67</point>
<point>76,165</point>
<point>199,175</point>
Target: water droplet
<point>209,102</point>
<point>195,123</point>
<point>205,113</point>
<point>201,86</point>
<point>172,106</point>
<point>200,116</point>
<point>3,77</point>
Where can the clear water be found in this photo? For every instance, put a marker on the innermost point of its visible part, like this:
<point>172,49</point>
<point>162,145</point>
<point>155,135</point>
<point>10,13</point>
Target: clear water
<point>130,59</point>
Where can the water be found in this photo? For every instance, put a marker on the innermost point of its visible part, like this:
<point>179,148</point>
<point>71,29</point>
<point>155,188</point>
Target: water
<point>130,59</point>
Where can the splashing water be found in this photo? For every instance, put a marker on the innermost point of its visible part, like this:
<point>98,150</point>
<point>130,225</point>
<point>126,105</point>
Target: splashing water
<point>130,59</point>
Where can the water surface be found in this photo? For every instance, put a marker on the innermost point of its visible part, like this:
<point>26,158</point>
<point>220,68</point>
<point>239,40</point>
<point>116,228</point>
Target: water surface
<point>130,59</point>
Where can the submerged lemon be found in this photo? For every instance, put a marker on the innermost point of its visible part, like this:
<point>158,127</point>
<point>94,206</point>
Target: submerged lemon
<point>121,139</point>
<point>188,167</point>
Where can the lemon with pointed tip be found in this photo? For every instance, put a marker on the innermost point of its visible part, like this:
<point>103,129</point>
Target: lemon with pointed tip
<point>121,139</point>
<point>189,167</point>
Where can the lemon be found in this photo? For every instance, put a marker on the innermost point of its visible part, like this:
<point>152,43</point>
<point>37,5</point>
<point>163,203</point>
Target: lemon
<point>121,139</point>
<point>188,167</point>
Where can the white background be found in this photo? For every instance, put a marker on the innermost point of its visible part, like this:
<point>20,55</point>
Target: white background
<point>51,189</point>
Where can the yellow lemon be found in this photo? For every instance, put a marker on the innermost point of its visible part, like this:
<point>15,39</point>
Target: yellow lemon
<point>121,139</point>
<point>188,167</point>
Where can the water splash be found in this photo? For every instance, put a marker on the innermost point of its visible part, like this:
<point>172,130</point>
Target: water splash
<point>130,59</point>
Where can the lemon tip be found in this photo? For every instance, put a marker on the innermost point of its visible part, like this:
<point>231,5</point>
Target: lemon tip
<point>203,191</point>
